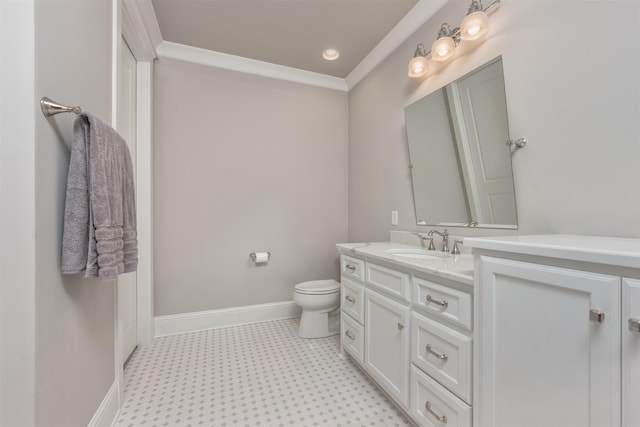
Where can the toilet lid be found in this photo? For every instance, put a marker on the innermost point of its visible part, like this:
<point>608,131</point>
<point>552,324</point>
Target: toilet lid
<point>317,287</point>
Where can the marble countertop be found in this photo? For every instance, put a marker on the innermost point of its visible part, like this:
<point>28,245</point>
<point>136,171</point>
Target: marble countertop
<point>456,267</point>
<point>615,251</point>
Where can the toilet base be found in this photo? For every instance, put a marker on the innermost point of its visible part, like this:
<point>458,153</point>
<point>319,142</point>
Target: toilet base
<point>319,325</point>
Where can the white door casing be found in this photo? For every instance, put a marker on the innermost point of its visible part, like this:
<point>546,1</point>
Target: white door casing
<point>126,123</point>
<point>135,22</point>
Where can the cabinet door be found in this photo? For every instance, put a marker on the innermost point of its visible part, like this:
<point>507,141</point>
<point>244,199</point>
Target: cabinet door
<point>630,353</point>
<point>540,358</point>
<point>386,344</point>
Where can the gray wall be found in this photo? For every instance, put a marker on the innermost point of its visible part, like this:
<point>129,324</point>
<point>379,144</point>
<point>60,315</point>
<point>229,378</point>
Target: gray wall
<point>244,163</point>
<point>17,214</point>
<point>572,90</point>
<point>74,346</point>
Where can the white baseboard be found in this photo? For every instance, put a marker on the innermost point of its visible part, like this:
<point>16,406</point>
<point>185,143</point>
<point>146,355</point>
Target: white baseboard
<point>199,320</point>
<point>107,413</point>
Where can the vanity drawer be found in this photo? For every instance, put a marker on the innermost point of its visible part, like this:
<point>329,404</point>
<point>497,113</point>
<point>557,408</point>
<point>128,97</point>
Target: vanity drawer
<point>352,337</point>
<point>353,299</point>
<point>443,302</point>
<point>393,282</point>
<point>443,353</point>
<point>431,403</point>
<point>352,267</point>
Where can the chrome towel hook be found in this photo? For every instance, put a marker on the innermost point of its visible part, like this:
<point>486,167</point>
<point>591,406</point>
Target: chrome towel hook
<point>50,107</point>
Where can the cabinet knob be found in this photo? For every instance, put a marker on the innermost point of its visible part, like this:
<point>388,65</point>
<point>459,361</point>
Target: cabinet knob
<point>634,325</point>
<point>596,316</point>
<point>350,267</point>
<point>400,326</point>
<point>350,299</point>
<point>350,335</point>
<point>441,418</point>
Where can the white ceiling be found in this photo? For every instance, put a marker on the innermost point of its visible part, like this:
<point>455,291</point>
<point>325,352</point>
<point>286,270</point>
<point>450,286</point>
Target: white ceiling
<point>292,33</point>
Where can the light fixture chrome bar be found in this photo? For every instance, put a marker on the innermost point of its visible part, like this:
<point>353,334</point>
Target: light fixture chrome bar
<point>455,34</point>
<point>492,7</point>
<point>50,107</point>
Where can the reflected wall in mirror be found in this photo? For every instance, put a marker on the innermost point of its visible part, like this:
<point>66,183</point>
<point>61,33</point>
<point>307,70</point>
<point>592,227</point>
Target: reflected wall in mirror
<point>460,162</point>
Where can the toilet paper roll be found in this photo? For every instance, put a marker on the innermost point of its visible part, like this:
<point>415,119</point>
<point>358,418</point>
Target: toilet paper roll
<point>261,257</point>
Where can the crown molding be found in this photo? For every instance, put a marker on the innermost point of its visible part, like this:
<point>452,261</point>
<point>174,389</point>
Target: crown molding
<point>249,66</point>
<point>140,28</point>
<point>417,16</point>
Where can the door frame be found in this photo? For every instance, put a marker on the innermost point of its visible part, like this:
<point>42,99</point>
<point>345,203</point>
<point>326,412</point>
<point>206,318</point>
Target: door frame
<point>135,22</point>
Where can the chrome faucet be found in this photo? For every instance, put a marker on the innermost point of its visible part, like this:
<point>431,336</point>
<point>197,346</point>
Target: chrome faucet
<point>431,247</point>
<point>445,238</point>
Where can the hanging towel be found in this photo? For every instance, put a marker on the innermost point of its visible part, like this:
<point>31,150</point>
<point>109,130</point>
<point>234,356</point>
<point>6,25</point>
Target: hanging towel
<point>99,234</point>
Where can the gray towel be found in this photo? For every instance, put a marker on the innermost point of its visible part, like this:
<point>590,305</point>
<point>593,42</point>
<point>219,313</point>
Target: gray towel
<point>99,234</point>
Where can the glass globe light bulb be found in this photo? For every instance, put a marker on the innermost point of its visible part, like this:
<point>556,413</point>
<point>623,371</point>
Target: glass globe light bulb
<point>474,26</point>
<point>418,66</point>
<point>443,49</point>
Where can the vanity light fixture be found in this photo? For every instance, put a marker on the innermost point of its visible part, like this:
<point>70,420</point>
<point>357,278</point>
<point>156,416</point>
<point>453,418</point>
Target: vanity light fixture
<point>473,27</point>
<point>419,65</point>
<point>476,23</point>
<point>445,46</point>
<point>331,54</point>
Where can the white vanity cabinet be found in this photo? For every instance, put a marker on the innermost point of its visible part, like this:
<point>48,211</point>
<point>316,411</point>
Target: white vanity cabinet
<point>411,332</point>
<point>375,323</point>
<point>441,353</point>
<point>386,329</point>
<point>544,360</point>
<point>386,344</point>
<point>352,306</point>
<point>553,342</point>
<point>630,352</point>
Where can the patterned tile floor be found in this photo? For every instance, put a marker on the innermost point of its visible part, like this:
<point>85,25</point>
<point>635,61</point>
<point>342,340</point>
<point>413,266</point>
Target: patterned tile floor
<point>260,374</point>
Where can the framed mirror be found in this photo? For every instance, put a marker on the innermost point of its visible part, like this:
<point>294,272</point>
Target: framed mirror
<point>460,163</point>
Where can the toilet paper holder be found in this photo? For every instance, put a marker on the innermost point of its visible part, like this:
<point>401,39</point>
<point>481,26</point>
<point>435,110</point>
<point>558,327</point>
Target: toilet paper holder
<point>252,255</point>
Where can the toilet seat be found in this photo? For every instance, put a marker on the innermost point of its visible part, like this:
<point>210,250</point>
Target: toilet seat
<point>317,287</point>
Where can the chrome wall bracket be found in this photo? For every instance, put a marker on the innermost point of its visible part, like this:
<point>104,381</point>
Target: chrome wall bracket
<point>50,107</point>
<point>519,143</point>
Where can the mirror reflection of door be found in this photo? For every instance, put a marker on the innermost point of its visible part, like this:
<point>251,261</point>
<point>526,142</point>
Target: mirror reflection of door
<point>479,118</point>
<point>460,164</point>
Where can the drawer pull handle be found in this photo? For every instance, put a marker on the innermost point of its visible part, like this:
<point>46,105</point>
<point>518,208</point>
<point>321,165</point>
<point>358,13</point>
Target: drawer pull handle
<point>443,303</point>
<point>350,267</point>
<point>441,418</point>
<point>441,356</point>
<point>596,316</point>
<point>350,299</point>
<point>634,325</point>
<point>400,326</point>
<point>350,335</point>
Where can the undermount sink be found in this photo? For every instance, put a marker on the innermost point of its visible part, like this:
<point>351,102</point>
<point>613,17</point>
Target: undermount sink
<point>416,253</point>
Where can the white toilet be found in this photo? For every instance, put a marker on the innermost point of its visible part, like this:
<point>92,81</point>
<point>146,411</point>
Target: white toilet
<point>320,302</point>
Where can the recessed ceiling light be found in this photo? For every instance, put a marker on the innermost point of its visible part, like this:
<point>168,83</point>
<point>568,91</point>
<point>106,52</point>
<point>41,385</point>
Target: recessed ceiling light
<point>331,54</point>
